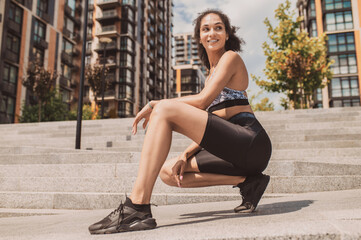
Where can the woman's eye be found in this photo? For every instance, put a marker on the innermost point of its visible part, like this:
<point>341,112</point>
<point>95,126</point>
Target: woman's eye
<point>219,28</point>
<point>205,29</point>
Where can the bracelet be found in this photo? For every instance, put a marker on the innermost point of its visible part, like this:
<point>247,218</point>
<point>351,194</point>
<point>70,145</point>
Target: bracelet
<point>150,105</point>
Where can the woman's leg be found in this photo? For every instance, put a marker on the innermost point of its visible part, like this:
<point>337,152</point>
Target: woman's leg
<point>193,178</point>
<point>167,116</point>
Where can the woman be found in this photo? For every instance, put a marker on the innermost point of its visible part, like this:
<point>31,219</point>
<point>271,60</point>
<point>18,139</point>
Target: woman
<point>230,146</point>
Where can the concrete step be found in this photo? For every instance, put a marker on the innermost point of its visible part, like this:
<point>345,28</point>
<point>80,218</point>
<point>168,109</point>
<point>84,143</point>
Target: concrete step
<point>282,184</point>
<point>121,170</point>
<point>80,200</point>
<point>124,157</point>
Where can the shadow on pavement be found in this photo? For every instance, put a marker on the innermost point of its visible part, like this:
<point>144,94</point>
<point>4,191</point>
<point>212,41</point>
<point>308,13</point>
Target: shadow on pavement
<point>262,210</point>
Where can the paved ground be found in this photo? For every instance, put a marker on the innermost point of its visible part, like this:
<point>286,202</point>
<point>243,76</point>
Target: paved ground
<point>323,215</point>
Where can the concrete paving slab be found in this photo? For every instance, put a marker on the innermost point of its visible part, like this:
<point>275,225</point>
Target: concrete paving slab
<point>326,215</point>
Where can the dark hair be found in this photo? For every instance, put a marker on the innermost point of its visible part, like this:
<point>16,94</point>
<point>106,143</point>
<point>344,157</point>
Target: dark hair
<point>233,43</point>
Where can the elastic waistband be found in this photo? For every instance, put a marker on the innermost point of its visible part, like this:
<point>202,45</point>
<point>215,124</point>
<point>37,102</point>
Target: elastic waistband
<point>241,115</point>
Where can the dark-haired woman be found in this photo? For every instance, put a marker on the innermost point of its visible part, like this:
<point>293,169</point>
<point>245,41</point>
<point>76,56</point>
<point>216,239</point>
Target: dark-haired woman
<point>229,147</point>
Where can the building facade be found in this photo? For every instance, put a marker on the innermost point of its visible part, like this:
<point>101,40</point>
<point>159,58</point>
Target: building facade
<point>188,69</point>
<point>50,33</point>
<point>340,20</point>
<point>138,54</point>
<point>46,32</point>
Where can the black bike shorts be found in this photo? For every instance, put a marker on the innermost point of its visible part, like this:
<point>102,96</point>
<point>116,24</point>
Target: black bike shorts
<point>238,147</point>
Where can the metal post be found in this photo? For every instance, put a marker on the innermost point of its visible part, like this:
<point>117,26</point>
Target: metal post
<point>103,78</point>
<point>81,84</point>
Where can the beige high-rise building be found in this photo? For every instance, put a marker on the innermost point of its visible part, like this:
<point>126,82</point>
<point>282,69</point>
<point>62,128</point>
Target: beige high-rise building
<point>340,20</point>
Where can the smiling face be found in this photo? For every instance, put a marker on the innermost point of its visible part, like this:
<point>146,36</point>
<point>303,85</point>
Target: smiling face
<point>213,33</point>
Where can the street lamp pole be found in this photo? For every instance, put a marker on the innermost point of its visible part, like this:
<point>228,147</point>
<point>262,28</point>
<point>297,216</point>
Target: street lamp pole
<point>105,41</point>
<point>81,84</point>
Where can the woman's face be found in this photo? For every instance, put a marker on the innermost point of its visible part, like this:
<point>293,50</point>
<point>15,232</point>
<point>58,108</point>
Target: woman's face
<point>213,34</point>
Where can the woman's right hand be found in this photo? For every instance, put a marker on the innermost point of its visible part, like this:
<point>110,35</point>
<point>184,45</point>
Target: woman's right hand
<point>144,113</point>
<point>178,169</point>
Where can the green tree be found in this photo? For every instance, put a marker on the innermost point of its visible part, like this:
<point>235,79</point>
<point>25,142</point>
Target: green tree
<point>40,82</point>
<point>263,105</point>
<point>94,76</point>
<point>54,109</point>
<point>296,64</point>
<point>87,113</point>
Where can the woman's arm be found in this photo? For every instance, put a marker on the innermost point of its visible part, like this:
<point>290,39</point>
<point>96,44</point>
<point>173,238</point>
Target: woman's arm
<point>191,150</point>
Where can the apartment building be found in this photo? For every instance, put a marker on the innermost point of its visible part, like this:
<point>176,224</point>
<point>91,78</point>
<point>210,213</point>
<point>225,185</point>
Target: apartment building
<point>43,31</point>
<point>138,52</point>
<point>50,32</point>
<point>188,69</point>
<point>340,20</point>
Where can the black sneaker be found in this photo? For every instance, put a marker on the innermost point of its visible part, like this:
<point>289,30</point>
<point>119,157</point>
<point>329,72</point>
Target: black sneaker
<point>125,218</point>
<point>252,190</point>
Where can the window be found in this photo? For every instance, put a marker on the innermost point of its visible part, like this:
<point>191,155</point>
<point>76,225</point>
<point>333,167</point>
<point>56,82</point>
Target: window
<point>342,42</point>
<point>126,60</point>
<point>128,28</point>
<point>42,7</point>
<point>71,4</point>
<point>339,21</point>
<point>13,43</point>
<point>126,44</point>
<point>88,60</point>
<point>313,28</point>
<point>38,55</point>
<point>126,76</point>
<point>39,30</point>
<point>15,13</point>
<point>7,107</point>
<point>345,87</point>
<point>337,4</point>
<point>69,24</point>
<point>125,91</point>
<point>66,71</point>
<point>344,64</point>
<point>346,103</point>
<point>318,94</point>
<point>186,79</point>
<point>10,74</point>
<point>311,9</point>
<point>68,47</point>
<point>125,109</point>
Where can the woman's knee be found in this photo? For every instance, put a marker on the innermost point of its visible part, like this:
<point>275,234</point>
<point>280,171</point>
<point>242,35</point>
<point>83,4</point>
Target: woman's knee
<point>166,175</point>
<point>164,108</point>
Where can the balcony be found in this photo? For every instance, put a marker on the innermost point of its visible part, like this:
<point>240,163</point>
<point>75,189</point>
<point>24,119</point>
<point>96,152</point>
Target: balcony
<point>8,88</point>
<point>41,43</point>
<point>68,11</point>
<point>64,82</point>
<point>105,4</point>
<point>67,33</point>
<point>88,51</point>
<point>110,46</point>
<point>79,7</point>
<point>108,31</point>
<point>108,17</point>
<point>109,93</point>
<point>14,27</point>
<point>77,21</point>
<point>76,37</point>
<point>76,52</point>
<point>66,58</point>
<point>45,16</point>
<point>12,57</point>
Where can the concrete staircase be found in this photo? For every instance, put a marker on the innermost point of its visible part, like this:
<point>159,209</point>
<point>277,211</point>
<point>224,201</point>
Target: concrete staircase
<point>313,150</point>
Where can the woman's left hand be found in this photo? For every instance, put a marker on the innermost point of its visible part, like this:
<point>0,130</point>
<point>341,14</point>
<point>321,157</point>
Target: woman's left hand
<point>144,113</point>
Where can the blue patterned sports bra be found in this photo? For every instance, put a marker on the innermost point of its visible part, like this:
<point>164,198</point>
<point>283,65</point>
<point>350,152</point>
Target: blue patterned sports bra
<point>227,98</point>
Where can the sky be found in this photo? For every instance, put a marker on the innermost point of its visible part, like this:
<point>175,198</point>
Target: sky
<point>248,16</point>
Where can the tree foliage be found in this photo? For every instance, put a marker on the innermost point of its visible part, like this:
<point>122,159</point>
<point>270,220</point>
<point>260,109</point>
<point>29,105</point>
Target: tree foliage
<point>94,75</point>
<point>296,64</point>
<point>263,105</point>
<point>53,109</point>
<point>40,82</point>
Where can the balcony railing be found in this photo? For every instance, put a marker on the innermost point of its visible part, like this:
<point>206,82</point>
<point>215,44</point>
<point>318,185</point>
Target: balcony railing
<point>108,3</point>
<point>41,43</point>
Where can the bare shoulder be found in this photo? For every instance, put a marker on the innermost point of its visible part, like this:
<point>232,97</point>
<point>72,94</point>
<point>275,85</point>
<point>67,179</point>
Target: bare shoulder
<point>231,58</point>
